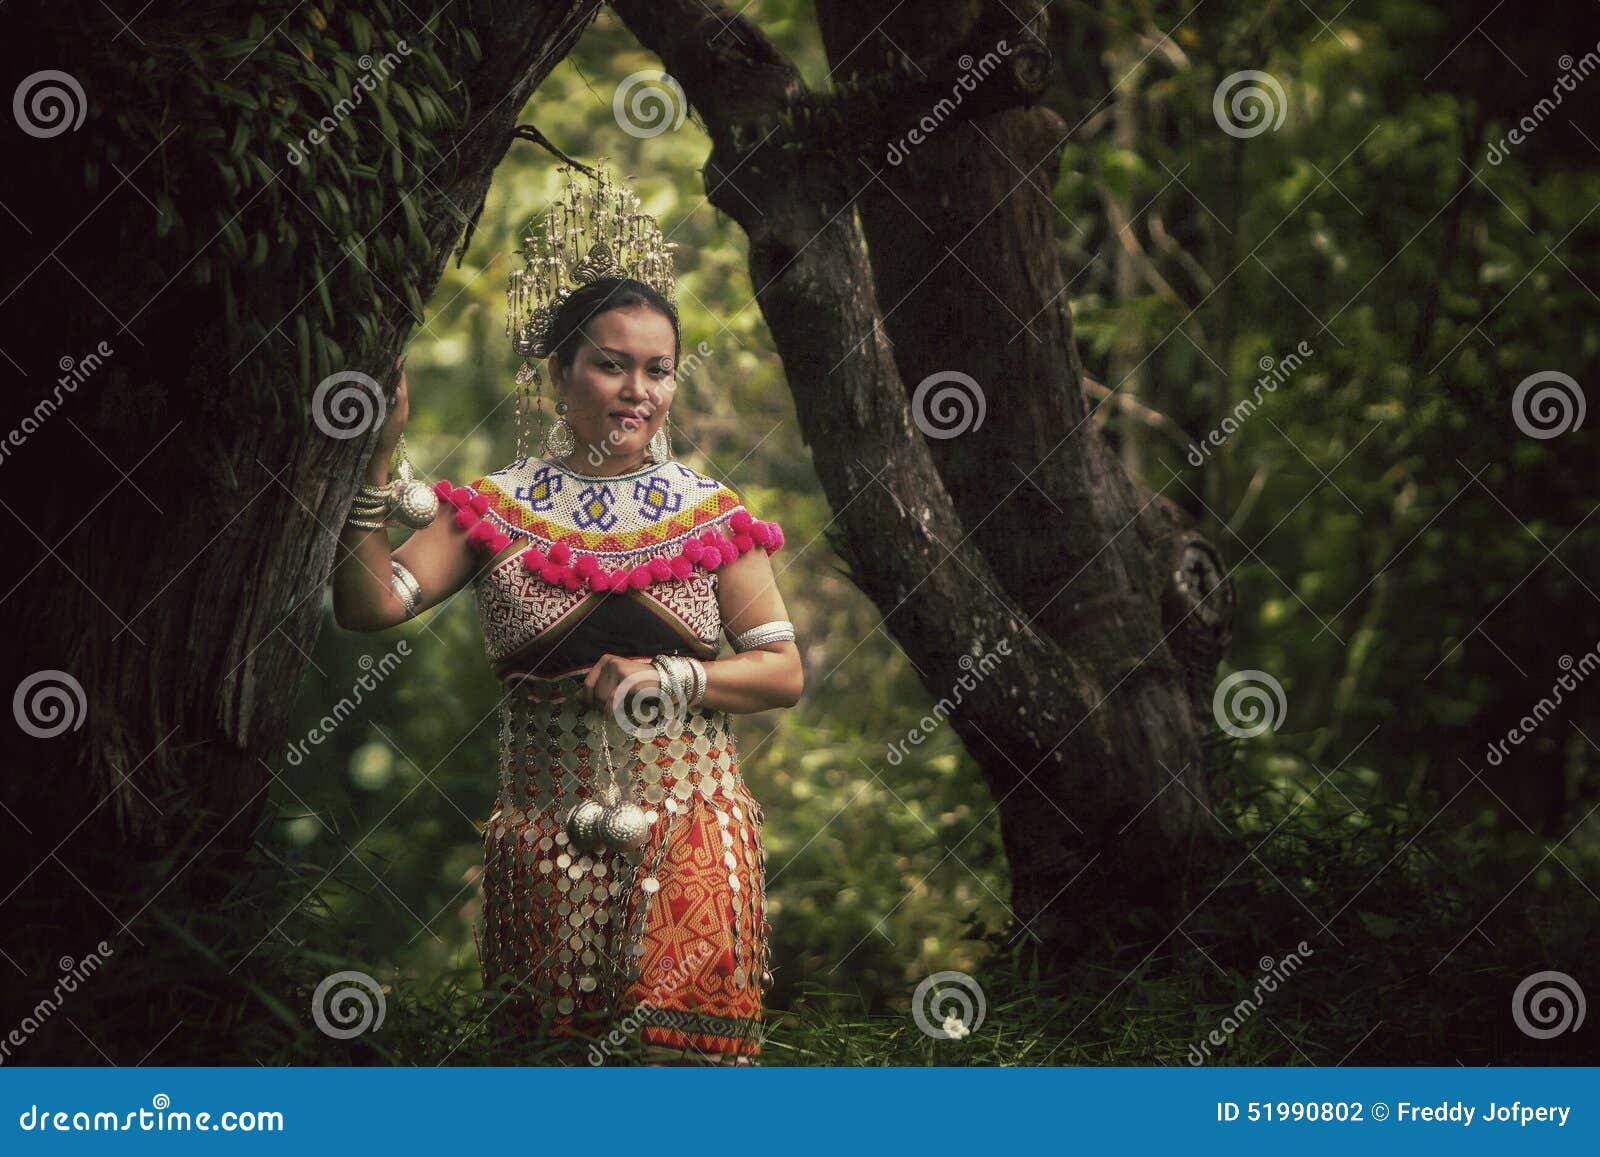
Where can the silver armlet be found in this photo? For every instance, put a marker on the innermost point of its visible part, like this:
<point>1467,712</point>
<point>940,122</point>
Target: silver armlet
<point>777,631</point>
<point>406,587</point>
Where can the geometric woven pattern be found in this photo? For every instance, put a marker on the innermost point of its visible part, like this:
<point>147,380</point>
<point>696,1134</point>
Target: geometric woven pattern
<point>517,606</point>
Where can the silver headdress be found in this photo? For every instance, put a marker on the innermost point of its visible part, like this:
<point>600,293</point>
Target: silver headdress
<point>595,230</point>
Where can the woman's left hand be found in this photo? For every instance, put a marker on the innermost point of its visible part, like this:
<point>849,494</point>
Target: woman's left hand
<point>614,679</point>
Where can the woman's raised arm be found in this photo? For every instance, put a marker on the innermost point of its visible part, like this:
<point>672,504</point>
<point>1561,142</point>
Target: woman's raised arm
<point>438,556</point>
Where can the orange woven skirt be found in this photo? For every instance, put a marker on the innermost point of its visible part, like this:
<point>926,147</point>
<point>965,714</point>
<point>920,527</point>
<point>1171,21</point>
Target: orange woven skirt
<point>665,945</point>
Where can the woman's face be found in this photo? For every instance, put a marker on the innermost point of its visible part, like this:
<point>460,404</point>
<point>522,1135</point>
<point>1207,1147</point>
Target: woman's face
<point>619,386</point>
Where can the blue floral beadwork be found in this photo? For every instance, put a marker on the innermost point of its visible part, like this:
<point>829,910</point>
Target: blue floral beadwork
<point>594,508</point>
<point>541,491</point>
<point>655,498</point>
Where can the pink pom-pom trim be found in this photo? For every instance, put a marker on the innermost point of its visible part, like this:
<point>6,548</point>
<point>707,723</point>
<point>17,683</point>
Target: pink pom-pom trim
<point>470,511</point>
<point>561,567</point>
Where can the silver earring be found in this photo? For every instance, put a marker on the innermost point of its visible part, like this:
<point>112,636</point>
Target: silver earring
<point>661,444</point>
<point>559,440</point>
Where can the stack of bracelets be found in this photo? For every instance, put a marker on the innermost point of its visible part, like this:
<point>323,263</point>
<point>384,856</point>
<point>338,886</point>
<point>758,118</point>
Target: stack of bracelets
<point>373,508</point>
<point>683,681</point>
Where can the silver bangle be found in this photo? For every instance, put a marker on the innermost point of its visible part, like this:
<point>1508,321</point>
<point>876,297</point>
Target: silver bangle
<point>777,631</point>
<point>363,524</point>
<point>406,586</point>
<point>699,670</point>
<point>687,680</point>
<point>667,676</point>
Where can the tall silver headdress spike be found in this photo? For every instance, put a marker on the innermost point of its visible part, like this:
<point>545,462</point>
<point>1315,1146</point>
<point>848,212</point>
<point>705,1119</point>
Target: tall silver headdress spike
<point>596,229</point>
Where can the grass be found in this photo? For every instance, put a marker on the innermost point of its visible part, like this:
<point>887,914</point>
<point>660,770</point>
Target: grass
<point>1417,933</point>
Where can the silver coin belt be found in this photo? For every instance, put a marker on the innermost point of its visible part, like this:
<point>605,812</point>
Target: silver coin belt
<point>582,940</point>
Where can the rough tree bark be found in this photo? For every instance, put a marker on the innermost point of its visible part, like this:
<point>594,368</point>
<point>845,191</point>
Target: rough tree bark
<point>1022,528</point>
<point>171,550</point>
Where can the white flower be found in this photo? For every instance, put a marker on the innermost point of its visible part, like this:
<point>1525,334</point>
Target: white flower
<point>954,1028</point>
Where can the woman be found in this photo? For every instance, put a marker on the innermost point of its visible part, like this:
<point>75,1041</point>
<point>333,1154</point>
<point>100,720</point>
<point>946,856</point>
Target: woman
<point>604,578</point>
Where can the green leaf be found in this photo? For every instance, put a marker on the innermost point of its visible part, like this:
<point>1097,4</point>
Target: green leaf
<point>403,99</point>
<point>361,31</point>
<point>237,96</point>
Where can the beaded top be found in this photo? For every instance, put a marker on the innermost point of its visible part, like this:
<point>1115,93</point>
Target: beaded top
<point>653,525</point>
<point>661,531</point>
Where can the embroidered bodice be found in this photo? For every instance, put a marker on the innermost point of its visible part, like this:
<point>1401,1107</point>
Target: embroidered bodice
<point>577,565</point>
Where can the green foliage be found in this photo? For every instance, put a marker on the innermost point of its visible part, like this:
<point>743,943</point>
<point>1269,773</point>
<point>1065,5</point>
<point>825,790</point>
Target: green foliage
<point>306,143</point>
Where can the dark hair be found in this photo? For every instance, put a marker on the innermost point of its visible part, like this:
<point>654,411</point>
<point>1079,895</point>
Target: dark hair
<point>602,296</point>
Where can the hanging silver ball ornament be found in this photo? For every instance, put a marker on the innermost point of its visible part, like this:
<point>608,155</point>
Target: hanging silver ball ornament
<point>624,827</point>
<point>766,979</point>
<point>583,824</point>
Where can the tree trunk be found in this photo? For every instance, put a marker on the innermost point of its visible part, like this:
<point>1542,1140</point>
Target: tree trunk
<point>174,518</point>
<point>1006,519</point>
